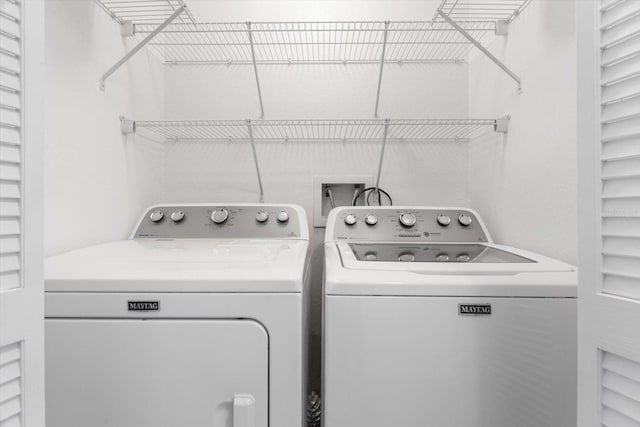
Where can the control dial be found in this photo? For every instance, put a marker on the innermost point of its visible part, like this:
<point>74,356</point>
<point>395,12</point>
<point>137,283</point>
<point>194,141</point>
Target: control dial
<point>219,216</point>
<point>262,216</point>
<point>177,216</point>
<point>407,219</point>
<point>406,257</point>
<point>463,258</point>
<point>350,219</point>
<point>371,219</point>
<point>156,216</point>
<point>465,220</point>
<point>283,216</point>
<point>442,258</point>
<point>371,256</point>
<point>444,220</point>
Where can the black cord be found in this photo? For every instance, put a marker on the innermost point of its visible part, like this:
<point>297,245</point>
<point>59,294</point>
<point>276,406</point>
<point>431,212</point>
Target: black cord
<point>372,190</point>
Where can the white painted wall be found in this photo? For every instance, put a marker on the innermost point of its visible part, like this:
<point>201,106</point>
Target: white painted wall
<point>525,185</point>
<point>96,182</point>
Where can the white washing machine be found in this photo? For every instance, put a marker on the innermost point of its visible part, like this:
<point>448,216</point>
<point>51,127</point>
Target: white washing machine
<point>427,322</point>
<point>196,320</point>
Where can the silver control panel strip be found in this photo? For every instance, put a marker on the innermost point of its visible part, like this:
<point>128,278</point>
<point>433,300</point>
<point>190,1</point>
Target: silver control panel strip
<point>258,221</point>
<point>390,224</point>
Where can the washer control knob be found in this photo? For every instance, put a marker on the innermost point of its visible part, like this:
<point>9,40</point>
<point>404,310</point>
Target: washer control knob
<point>463,258</point>
<point>444,220</point>
<point>371,219</point>
<point>283,216</point>
<point>177,216</point>
<point>465,220</point>
<point>262,216</point>
<point>407,219</point>
<point>442,258</point>
<point>219,215</point>
<point>156,216</point>
<point>350,219</point>
<point>371,256</point>
<point>406,257</point>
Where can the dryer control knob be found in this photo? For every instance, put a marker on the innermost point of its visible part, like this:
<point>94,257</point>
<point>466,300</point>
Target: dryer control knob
<point>444,220</point>
<point>371,219</point>
<point>156,216</point>
<point>262,216</point>
<point>350,219</point>
<point>465,220</point>
<point>407,219</point>
<point>463,258</point>
<point>219,216</point>
<point>283,216</point>
<point>177,216</point>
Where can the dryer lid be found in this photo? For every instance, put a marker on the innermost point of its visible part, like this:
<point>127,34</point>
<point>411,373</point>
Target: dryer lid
<point>180,265</point>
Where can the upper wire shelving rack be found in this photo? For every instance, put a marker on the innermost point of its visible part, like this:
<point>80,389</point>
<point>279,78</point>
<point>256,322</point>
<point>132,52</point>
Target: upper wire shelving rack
<point>173,35</point>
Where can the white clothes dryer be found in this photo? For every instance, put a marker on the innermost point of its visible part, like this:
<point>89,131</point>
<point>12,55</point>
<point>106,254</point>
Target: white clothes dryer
<point>196,320</point>
<point>427,322</point>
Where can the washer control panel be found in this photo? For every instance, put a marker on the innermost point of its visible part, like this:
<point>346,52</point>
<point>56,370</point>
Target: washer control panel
<point>219,222</point>
<point>390,224</point>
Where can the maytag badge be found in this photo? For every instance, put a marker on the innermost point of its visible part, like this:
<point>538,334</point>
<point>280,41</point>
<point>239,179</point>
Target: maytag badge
<point>144,305</point>
<point>474,309</point>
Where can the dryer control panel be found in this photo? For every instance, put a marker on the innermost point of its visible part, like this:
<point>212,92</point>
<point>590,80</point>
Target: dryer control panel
<point>260,221</point>
<point>406,224</point>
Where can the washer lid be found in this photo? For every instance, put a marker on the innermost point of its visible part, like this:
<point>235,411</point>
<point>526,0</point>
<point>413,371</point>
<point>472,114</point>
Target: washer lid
<point>444,258</point>
<point>444,269</point>
<point>180,265</point>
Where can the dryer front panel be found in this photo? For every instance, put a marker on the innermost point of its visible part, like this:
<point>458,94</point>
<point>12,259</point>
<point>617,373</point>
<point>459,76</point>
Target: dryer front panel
<point>156,373</point>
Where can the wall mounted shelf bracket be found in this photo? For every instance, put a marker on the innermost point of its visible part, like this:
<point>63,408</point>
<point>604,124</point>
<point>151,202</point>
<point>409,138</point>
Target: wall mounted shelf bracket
<point>484,50</point>
<point>502,124</point>
<point>139,46</point>
<point>127,29</point>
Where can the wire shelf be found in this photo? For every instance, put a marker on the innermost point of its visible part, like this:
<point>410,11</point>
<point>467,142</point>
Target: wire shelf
<point>313,42</point>
<point>146,12</point>
<point>481,10</point>
<point>316,130</point>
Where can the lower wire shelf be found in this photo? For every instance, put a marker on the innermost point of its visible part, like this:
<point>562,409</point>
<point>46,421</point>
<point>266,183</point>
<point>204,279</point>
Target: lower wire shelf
<point>317,130</point>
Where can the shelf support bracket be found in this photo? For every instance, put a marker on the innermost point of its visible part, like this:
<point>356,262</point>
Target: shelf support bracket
<point>382,57</point>
<point>127,126</point>
<point>255,67</point>
<point>139,46</point>
<point>255,159</point>
<point>384,146</point>
<point>502,124</point>
<point>481,48</point>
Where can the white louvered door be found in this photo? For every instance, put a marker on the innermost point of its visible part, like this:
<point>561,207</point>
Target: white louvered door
<point>21,284</point>
<point>609,212</point>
